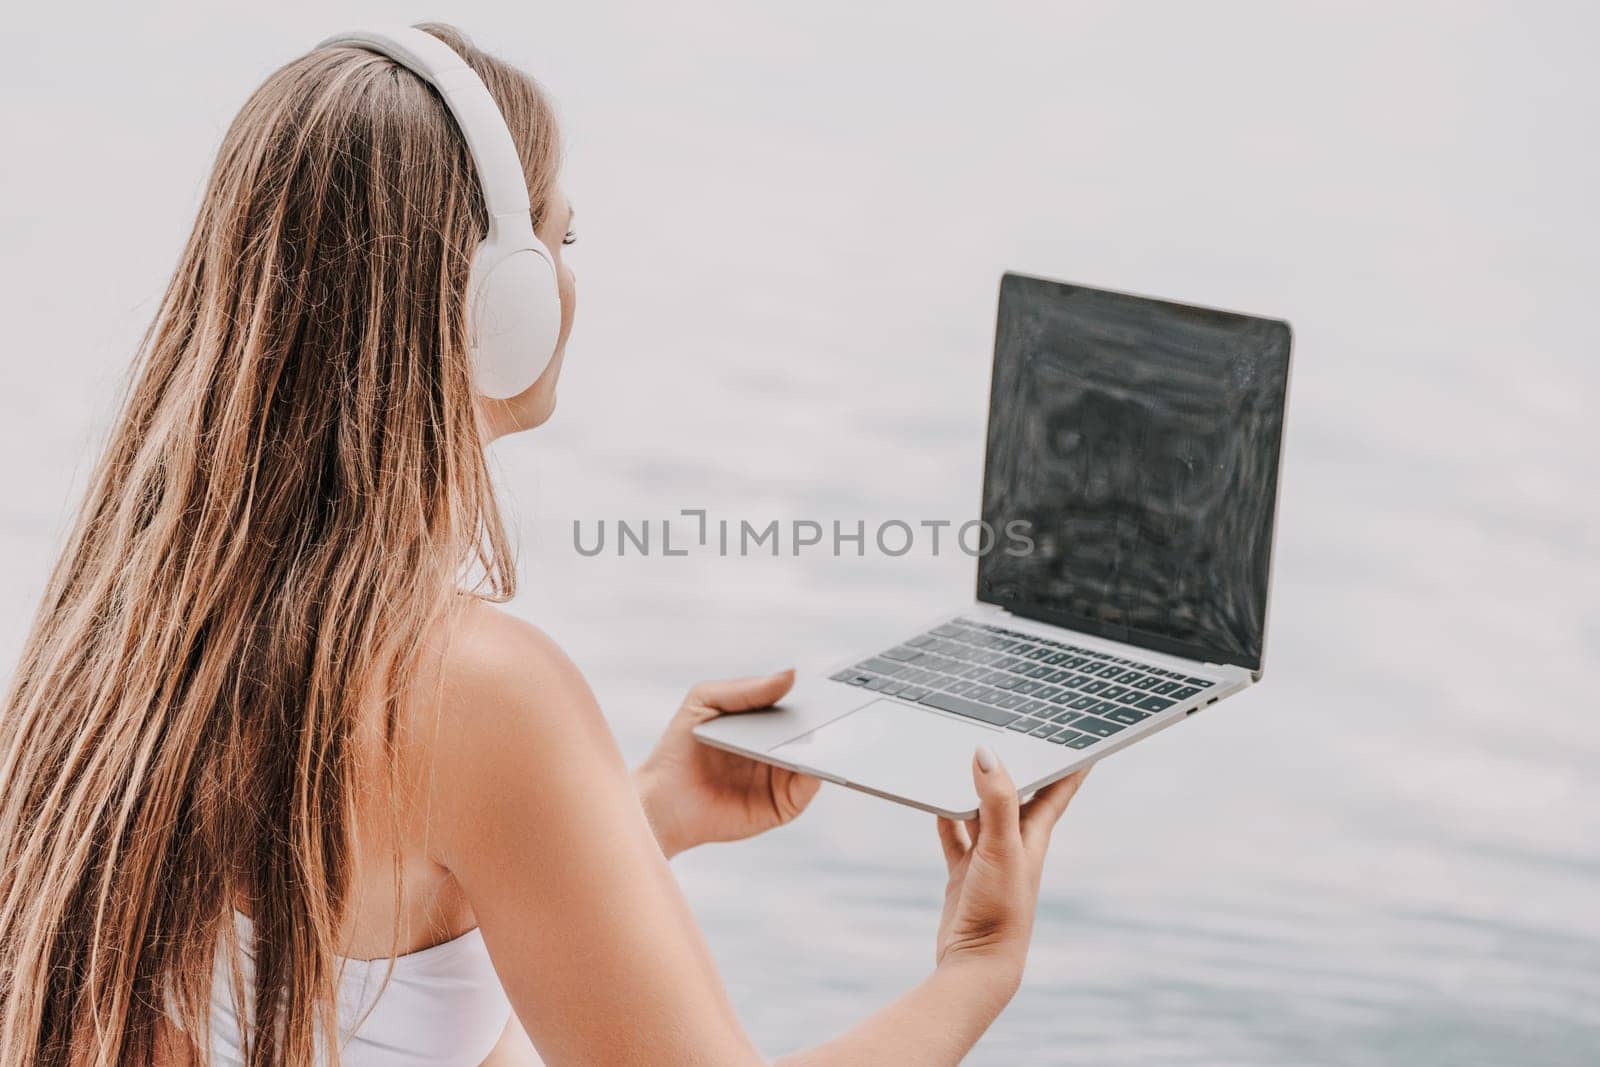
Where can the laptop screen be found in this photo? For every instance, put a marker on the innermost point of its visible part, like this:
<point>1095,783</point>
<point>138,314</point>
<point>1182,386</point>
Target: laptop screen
<point>1138,440</point>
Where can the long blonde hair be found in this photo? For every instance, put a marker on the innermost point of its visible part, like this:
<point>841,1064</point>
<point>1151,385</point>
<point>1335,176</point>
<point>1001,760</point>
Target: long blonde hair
<point>294,491</point>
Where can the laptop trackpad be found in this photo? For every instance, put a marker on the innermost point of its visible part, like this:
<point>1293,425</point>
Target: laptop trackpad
<point>889,747</point>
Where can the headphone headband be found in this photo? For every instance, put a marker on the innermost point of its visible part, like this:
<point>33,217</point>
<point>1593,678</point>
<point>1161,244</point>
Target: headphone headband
<point>494,154</point>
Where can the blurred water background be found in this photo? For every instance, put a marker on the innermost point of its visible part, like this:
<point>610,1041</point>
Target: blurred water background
<point>792,223</point>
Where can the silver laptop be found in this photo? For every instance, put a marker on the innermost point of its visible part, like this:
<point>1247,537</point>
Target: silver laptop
<point>1130,485</point>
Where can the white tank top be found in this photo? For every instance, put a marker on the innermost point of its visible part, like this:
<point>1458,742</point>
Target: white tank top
<point>442,1006</point>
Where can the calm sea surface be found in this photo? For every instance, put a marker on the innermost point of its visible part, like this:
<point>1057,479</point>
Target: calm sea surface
<point>791,231</point>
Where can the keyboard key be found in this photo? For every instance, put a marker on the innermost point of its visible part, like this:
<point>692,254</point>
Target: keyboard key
<point>920,640</point>
<point>1094,687</point>
<point>1080,740</point>
<point>1040,672</point>
<point>1165,687</point>
<point>1082,703</point>
<point>948,631</point>
<point>842,676</point>
<point>1026,687</point>
<point>893,689</point>
<point>1101,708</point>
<point>1064,715</point>
<point>880,666</point>
<point>1047,692</point>
<point>1010,701</point>
<point>1024,724</point>
<point>960,688</point>
<point>1061,737</point>
<point>1128,716</point>
<point>913,692</point>
<point>1098,727</point>
<point>859,679</point>
<point>1036,707</point>
<point>1198,683</point>
<point>1185,693</point>
<point>1113,692</point>
<point>1154,704</point>
<point>1044,731</point>
<point>969,708</point>
<point>1146,683</point>
<point>1128,677</point>
<point>1109,671</point>
<point>877,683</point>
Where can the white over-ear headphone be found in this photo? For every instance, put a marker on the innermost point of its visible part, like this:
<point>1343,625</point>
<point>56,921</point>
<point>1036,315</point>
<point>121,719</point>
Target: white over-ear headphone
<point>513,299</point>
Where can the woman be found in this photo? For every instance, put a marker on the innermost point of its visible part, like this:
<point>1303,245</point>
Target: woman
<point>280,786</point>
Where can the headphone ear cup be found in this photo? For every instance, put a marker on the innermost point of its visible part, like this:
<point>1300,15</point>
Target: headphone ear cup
<point>515,306</point>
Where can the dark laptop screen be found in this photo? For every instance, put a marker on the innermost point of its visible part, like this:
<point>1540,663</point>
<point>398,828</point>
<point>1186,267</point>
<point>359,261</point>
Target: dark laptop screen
<point>1139,439</point>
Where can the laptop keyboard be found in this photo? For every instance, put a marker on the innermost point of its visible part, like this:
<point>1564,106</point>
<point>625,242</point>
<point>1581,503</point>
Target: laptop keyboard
<point>1051,690</point>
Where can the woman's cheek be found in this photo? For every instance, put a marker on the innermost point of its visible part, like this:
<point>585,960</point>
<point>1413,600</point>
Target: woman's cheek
<point>568,289</point>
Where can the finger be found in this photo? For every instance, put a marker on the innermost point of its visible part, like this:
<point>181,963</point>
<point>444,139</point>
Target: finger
<point>800,789</point>
<point>953,839</point>
<point>743,694</point>
<point>997,804</point>
<point>1040,815</point>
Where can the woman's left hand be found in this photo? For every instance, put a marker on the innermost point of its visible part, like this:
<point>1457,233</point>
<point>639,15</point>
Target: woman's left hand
<point>693,793</point>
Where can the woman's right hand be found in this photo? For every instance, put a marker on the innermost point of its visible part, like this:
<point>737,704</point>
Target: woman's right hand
<point>994,871</point>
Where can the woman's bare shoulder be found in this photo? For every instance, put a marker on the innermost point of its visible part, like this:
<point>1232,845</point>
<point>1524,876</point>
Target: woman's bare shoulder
<point>485,649</point>
<point>482,663</point>
<point>495,697</point>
